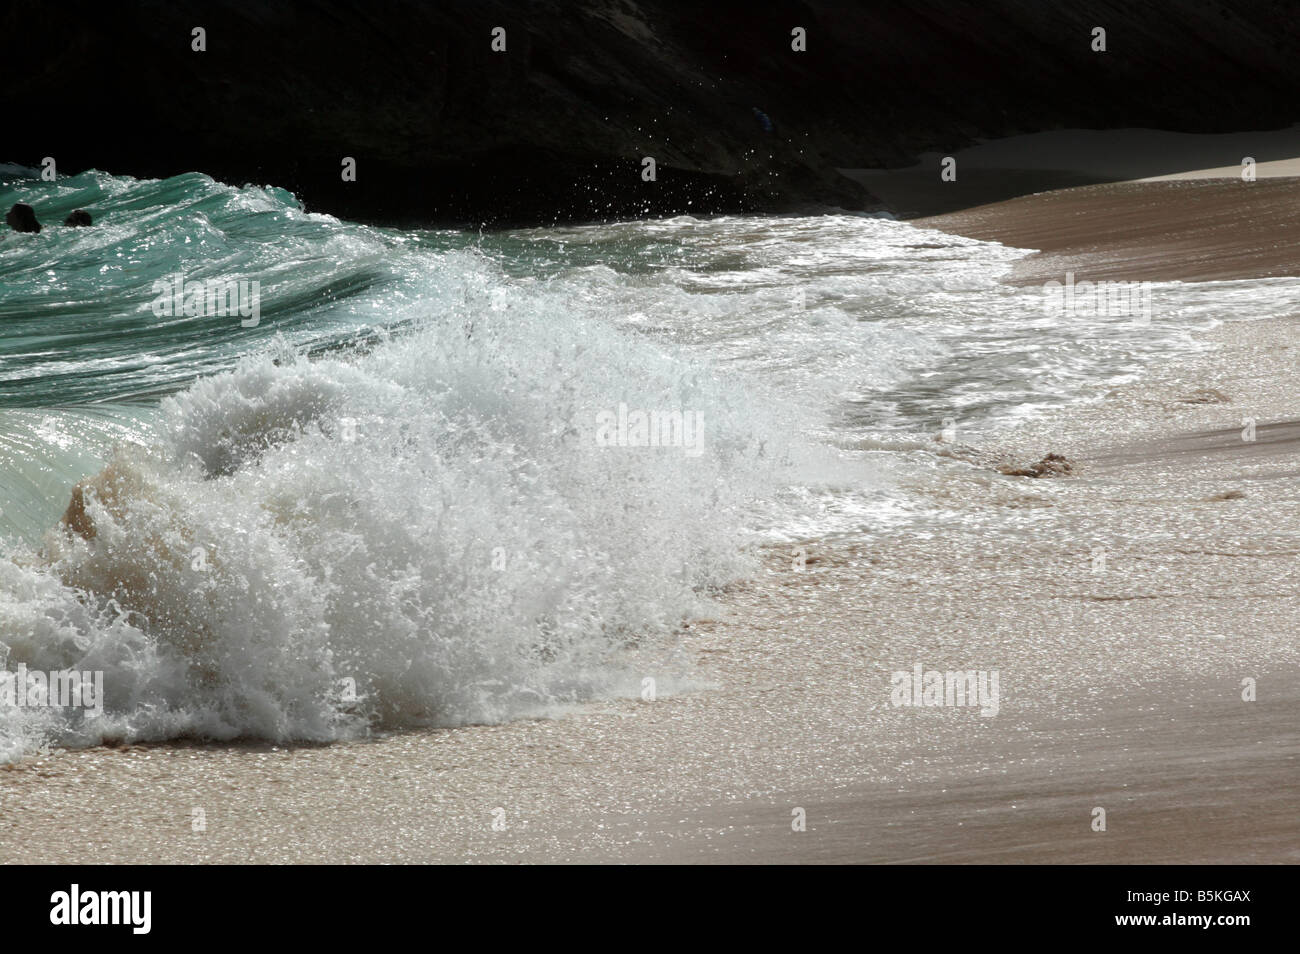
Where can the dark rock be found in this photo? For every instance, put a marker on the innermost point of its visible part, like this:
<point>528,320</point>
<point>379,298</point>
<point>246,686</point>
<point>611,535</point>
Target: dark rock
<point>1053,465</point>
<point>22,218</point>
<point>77,218</point>
<point>443,129</point>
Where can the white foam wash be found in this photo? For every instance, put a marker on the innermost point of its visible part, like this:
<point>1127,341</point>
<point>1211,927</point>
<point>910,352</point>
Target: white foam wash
<point>393,484</point>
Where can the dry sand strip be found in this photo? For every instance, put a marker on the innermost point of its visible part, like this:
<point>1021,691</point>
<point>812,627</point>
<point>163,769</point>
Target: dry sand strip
<point>1187,230</point>
<point>1121,688</point>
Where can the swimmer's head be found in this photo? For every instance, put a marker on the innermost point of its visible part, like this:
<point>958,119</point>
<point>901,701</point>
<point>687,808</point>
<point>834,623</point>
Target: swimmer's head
<point>21,218</point>
<point>77,217</point>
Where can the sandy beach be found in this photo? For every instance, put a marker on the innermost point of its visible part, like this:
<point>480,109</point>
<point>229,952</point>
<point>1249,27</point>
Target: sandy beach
<point>1123,607</point>
<point>1190,230</point>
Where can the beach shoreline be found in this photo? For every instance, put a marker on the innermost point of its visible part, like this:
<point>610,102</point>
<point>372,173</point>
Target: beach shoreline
<point>1121,681</point>
<point>1188,230</point>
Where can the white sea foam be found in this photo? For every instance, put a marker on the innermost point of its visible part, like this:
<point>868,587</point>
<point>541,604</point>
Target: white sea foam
<point>432,524</point>
<point>429,532</point>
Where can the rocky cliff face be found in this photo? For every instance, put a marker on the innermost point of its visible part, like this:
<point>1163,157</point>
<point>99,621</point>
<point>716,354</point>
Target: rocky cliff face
<point>556,127</point>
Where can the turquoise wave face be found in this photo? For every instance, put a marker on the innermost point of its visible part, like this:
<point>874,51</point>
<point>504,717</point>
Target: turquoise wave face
<point>85,350</point>
<point>77,305</point>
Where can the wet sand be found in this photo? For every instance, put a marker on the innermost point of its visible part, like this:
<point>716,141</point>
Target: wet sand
<point>1122,608</point>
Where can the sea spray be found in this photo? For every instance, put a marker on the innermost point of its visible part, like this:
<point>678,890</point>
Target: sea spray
<point>463,550</point>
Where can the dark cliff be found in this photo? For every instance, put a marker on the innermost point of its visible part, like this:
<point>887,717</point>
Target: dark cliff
<point>444,129</point>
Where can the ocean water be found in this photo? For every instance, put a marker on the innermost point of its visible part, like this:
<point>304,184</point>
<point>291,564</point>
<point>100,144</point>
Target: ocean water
<point>398,499</point>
